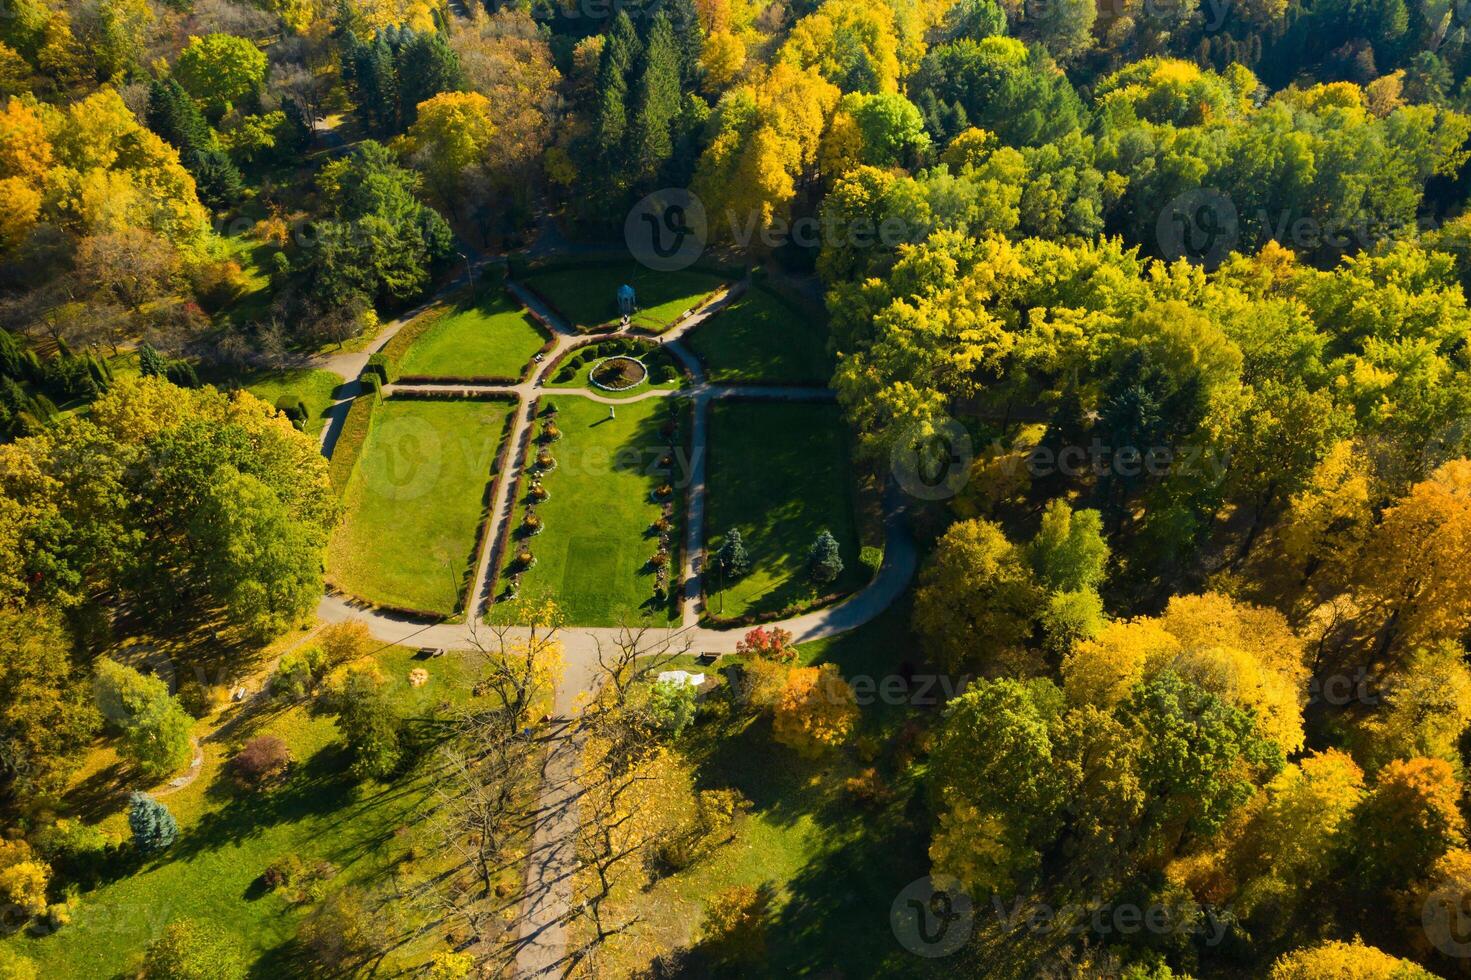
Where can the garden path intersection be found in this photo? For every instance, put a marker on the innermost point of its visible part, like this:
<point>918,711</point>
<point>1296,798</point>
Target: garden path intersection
<point>547,907</point>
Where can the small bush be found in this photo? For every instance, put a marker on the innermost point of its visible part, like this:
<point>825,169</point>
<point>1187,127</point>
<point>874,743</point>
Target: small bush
<point>298,672</point>
<point>260,763</point>
<point>293,408</point>
<point>200,699</point>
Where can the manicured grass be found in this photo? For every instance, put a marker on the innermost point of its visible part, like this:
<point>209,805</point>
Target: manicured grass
<point>592,556</point>
<point>227,839</point>
<point>415,501</point>
<point>588,294</point>
<point>760,338</point>
<point>316,388</point>
<point>835,864</point>
<point>780,473</point>
<point>492,339</point>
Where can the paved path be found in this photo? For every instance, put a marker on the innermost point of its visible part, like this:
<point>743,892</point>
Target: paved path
<point>547,905</point>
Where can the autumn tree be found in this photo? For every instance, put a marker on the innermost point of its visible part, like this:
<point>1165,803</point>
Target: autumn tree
<point>221,69</point>
<point>155,729</point>
<point>816,710</point>
<point>978,585</point>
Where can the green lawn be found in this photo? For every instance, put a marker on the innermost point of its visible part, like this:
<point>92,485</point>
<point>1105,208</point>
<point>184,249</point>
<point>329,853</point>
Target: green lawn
<point>316,388</point>
<point>835,864</point>
<point>493,339</point>
<point>592,556</point>
<point>227,839</point>
<point>588,294</point>
<point>779,472</point>
<point>415,501</point>
<point>760,338</point>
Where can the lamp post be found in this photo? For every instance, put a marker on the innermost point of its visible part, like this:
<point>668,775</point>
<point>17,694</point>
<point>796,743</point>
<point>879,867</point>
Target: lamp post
<point>469,271</point>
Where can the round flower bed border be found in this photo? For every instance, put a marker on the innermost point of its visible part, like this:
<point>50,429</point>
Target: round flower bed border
<point>593,372</point>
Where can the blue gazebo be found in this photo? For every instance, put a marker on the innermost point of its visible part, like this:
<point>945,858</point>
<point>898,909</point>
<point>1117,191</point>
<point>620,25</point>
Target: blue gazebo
<point>625,299</point>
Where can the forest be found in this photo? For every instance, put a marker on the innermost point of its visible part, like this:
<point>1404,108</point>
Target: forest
<point>1171,295</point>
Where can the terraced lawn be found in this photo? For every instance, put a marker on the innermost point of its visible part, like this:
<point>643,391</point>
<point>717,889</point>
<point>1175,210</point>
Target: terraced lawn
<point>593,555</point>
<point>759,338</point>
<point>588,295</point>
<point>316,388</point>
<point>780,473</point>
<point>492,339</point>
<point>414,502</point>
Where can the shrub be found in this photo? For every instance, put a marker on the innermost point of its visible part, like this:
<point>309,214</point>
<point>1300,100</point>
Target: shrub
<point>14,966</point>
<point>671,707</point>
<point>549,407</point>
<point>200,699</point>
<point>194,950</point>
<point>23,878</point>
<point>297,673</point>
<point>293,408</point>
<point>154,827</point>
<point>343,643</point>
<point>378,364</point>
<point>260,763</point>
<point>816,710</point>
<point>772,644</point>
<point>449,965</point>
<point>871,558</point>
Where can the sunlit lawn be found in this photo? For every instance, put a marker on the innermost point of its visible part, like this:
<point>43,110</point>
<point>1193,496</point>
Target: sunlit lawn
<point>415,501</point>
<point>495,338</point>
<point>760,338</point>
<point>315,388</point>
<point>227,839</point>
<point>592,556</point>
<point>780,473</point>
<point>588,294</point>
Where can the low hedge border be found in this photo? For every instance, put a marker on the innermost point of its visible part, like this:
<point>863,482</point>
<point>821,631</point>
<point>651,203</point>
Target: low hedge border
<point>452,394</point>
<point>756,619</point>
<point>407,612</point>
<point>498,554</point>
<point>349,445</point>
<point>497,467</point>
<point>678,553</point>
<point>448,379</point>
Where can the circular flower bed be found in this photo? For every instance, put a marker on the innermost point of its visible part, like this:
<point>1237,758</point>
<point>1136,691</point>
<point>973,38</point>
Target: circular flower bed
<point>533,524</point>
<point>539,493</point>
<point>618,373</point>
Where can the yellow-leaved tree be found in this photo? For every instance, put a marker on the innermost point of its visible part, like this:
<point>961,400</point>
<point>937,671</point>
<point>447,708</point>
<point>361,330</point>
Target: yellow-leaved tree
<point>816,710</point>
<point>450,144</point>
<point>1345,961</point>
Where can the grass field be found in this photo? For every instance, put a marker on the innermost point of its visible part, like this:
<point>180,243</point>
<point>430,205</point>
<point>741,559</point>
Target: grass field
<point>780,473</point>
<point>592,556</point>
<point>835,865</point>
<point>493,339</point>
<point>227,839</point>
<point>415,501</point>
<point>588,294</point>
<point>313,387</point>
<point>760,338</point>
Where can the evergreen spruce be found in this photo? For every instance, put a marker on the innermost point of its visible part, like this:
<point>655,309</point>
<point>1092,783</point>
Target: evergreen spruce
<point>657,102</point>
<point>732,558</point>
<point>825,562</point>
<point>154,827</point>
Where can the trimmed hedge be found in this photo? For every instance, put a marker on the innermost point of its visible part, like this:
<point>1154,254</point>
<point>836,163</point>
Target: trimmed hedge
<point>350,440</point>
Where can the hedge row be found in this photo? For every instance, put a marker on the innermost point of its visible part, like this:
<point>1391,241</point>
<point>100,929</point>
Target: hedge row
<point>350,440</point>
<point>503,540</point>
<point>487,506</point>
<point>795,609</point>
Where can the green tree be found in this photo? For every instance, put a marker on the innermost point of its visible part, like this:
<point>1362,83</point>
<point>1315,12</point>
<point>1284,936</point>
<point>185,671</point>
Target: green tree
<point>427,65</point>
<point>262,562</point>
<point>155,729</point>
<point>656,102</point>
<point>369,723</point>
<point>154,827</point>
<point>731,558</point>
<point>823,560</point>
<point>977,585</point>
<point>193,950</point>
<point>1069,553</point>
<point>46,711</point>
<point>221,69</point>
